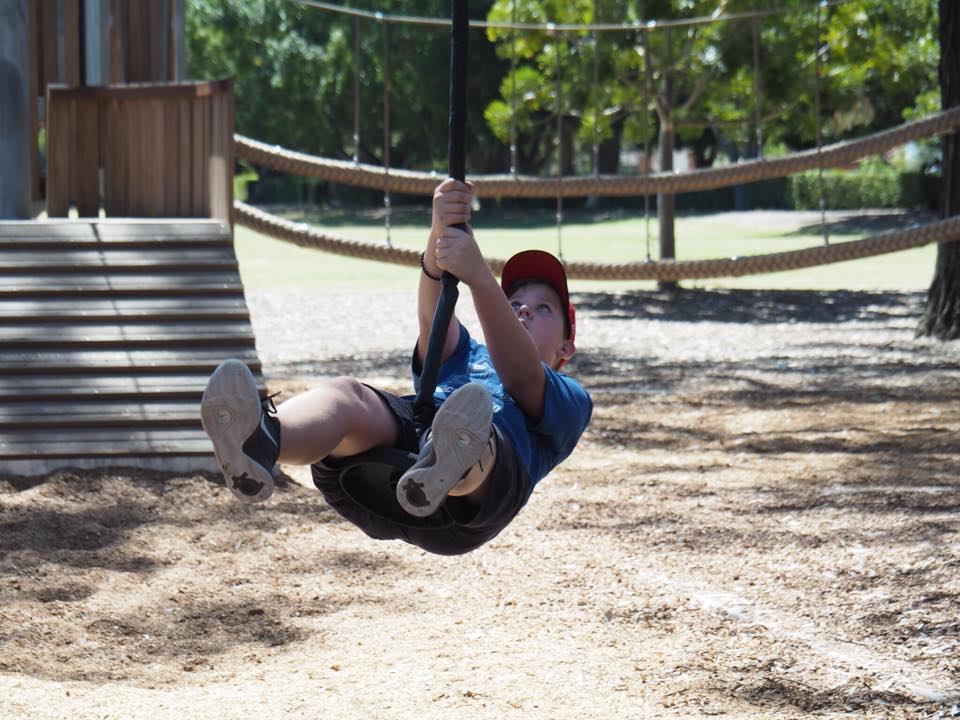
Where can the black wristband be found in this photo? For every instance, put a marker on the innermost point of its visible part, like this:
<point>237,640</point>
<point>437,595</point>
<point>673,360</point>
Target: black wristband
<point>426,272</point>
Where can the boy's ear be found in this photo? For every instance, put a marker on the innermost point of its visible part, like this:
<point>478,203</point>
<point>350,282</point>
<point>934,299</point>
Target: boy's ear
<point>567,350</point>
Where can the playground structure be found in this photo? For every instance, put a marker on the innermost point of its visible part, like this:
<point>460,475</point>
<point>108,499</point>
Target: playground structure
<point>131,139</point>
<point>111,325</point>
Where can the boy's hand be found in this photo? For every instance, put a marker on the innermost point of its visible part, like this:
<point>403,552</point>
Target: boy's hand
<point>459,254</point>
<point>451,205</point>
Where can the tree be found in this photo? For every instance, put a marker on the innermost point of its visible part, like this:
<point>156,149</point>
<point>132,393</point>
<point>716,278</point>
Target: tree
<point>941,318</point>
<point>295,71</point>
<point>703,79</point>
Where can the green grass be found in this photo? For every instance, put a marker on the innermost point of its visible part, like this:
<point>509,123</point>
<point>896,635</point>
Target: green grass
<point>612,237</point>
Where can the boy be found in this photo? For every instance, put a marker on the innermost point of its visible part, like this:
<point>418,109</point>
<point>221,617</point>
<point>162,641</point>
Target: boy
<point>506,415</point>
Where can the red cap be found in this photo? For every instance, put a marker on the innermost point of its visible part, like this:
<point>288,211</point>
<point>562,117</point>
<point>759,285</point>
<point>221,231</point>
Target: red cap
<point>540,265</point>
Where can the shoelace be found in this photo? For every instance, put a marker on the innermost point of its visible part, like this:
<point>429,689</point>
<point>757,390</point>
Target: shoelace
<point>267,403</point>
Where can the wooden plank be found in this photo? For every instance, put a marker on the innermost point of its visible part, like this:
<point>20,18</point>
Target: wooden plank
<point>163,90</point>
<point>111,159</point>
<point>33,48</point>
<point>64,335</point>
<point>151,154</point>
<point>118,11</point>
<point>116,259</point>
<point>43,230</point>
<point>117,387</point>
<point>136,148</point>
<point>86,164</point>
<point>198,161</point>
<point>119,443</point>
<point>181,230</point>
<point>58,154</point>
<point>123,309</point>
<point>51,414</point>
<point>162,229</point>
<point>169,158</point>
<point>136,361</point>
<point>72,28</point>
<point>165,284</point>
<point>48,45</point>
<point>184,176</point>
<point>230,151</point>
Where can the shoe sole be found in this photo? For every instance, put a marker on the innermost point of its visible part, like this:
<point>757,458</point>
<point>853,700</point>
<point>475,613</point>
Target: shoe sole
<point>230,412</point>
<point>459,435</point>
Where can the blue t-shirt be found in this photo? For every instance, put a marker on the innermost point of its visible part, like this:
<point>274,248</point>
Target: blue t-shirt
<point>541,447</point>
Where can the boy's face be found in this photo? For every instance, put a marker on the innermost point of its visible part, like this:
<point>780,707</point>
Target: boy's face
<point>538,307</point>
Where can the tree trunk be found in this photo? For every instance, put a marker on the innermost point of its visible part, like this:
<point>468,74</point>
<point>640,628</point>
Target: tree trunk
<point>14,111</point>
<point>666,208</point>
<point>941,318</point>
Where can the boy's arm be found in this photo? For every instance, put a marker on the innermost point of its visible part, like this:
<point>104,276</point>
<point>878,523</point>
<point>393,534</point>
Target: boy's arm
<point>511,348</point>
<point>451,205</point>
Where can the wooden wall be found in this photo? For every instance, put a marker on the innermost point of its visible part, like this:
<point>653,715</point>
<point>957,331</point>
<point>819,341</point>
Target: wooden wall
<point>165,150</point>
<point>146,40</point>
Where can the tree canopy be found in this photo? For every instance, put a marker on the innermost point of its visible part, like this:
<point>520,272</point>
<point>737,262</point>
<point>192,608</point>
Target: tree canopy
<point>295,71</point>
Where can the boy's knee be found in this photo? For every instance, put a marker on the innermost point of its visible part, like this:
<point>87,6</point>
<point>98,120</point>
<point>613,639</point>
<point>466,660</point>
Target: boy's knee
<point>349,390</point>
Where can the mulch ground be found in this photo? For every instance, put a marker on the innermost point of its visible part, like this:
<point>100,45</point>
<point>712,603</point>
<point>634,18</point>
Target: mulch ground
<point>763,521</point>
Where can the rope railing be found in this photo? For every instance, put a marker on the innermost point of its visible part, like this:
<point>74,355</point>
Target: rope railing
<point>665,271</point>
<point>522,186</point>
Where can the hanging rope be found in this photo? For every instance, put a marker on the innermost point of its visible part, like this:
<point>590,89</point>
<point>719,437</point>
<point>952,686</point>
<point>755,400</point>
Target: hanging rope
<point>559,93</point>
<point>719,16</point>
<point>596,96</point>
<point>422,183</point>
<point>647,165</point>
<point>306,236</point>
<point>356,91</point>
<point>386,132</point>
<point>817,120</point>
<point>758,116</point>
<point>513,91</point>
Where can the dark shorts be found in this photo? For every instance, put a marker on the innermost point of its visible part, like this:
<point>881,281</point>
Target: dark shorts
<point>455,528</point>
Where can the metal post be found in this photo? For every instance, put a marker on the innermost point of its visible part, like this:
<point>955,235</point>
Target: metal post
<point>96,29</point>
<point>15,113</point>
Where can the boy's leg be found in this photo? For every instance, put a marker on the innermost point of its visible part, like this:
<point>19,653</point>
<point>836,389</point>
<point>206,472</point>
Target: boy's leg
<point>461,441</point>
<point>341,417</point>
<point>338,418</point>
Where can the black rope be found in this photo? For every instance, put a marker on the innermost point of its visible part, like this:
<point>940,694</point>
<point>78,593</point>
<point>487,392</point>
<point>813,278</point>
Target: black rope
<point>424,407</point>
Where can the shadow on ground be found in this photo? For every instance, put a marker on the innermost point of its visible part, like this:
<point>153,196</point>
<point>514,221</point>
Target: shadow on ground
<point>105,573</point>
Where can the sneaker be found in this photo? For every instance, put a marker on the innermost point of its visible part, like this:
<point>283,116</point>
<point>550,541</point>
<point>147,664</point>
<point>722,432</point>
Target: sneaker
<point>458,439</point>
<point>246,439</point>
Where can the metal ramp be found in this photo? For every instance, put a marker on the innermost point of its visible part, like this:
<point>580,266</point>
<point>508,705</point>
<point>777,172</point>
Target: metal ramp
<point>108,332</point>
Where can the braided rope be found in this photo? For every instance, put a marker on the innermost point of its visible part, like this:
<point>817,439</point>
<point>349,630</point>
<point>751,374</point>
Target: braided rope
<point>520,186</point>
<point>938,232</point>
